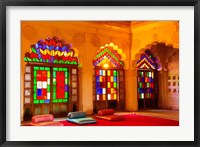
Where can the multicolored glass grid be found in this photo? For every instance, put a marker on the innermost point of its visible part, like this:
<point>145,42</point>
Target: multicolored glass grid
<point>145,84</point>
<point>41,85</point>
<point>106,84</point>
<point>60,85</point>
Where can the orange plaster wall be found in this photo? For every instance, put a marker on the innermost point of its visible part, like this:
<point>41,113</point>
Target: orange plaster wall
<point>146,33</point>
<point>86,37</point>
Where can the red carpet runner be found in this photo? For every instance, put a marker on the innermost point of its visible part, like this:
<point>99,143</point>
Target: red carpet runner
<point>130,120</point>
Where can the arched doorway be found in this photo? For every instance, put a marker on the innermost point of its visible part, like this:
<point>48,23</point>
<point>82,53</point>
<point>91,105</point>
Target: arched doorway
<point>108,80</point>
<point>147,81</point>
<point>50,79</point>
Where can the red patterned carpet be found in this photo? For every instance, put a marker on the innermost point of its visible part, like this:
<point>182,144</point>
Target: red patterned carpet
<point>130,120</point>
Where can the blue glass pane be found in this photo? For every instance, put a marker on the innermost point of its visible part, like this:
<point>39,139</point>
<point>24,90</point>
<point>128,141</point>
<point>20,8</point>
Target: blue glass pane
<point>142,79</point>
<point>101,91</point>
<point>46,101</point>
<point>97,84</point>
<point>39,92</point>
<point>66,88</point>
<point>100,72</point>
<point>115,79</point>
<point>97,78</point>
<point>98,91</point>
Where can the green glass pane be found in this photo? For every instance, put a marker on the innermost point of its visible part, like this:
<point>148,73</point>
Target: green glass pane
<point>140,85</point>
<point>55,101</point>
<point>115,84</point>
<point>47,68</point>
<point>41,101</point>
<point>34,96</point>
<point>64,69</point>
<point>36,68</point>
<point>66,81</point>
<point>35,73</point>
<point>60,69</point>
<point>115,73</point>
<point>41,68</point>
<point>35,88</point>
<point>34,81</point>
<point>55,69</point>
<point>60,100</point>
<point>66,94</point>
<point>48,74</point>
<point>65,100</point>
<point>66,74</point>
<point>54,95</point>
<point>36,101</point>
<point>54,74</point>
<point>48,88</point>
<point>54,88</point>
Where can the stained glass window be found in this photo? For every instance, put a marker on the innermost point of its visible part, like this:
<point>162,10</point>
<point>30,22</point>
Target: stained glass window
<point>145,84</point>
<point>106,84</point>
<point>146,77</point>
<point>60,85</point>
<point>41,85</point>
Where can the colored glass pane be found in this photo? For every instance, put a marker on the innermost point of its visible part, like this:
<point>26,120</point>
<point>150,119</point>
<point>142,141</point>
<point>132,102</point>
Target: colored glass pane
<point>60,85</point>
<point>108,72</point>
<point>41,84</point>
<point>145,85</point>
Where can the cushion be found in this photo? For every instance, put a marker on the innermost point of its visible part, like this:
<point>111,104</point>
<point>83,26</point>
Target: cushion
<point>42,118</point>
<point>77,114</point>
<point>84,120</point>
<point>106,112</point>
<point>111,117</point>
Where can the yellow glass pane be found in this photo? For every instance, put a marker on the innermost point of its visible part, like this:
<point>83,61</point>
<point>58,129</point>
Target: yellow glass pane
<point>112,91</point>
<point>111,78</point>
<point>100,79</point>
<point>108,72</point>
<point>115,96</point>
<point>108,84</point>
<point>104,97</point>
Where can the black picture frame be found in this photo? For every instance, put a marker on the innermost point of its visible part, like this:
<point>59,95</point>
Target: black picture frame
<point>5,3</point>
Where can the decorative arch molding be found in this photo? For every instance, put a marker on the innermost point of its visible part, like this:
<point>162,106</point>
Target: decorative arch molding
<point>53,51</point>
<point>156,48</point>
<point>170,58</point>
<point>109,55</point>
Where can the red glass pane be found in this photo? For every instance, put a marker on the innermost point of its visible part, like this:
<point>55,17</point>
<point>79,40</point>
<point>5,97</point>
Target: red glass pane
<point>108,79</point>
<point>44,93</point>
<point>60,85</point>
<point>97,72</point>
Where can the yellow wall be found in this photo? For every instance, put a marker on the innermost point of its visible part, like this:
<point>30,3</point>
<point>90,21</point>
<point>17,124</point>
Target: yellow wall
<point>87,37</point>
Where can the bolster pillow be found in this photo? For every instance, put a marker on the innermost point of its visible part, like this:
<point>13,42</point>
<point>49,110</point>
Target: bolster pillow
<point>77,114</point>
<point>42,118</point>
<point>106,112</point>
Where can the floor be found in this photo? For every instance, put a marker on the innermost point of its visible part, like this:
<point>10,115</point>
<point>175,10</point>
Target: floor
<point>161,113</point>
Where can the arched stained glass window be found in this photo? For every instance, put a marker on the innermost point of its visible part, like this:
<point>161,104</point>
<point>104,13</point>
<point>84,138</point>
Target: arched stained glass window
<point>146,79</point>
<point>51,78</point>
<point>109,78</point>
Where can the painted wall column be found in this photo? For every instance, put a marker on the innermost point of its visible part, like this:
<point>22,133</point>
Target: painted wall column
<point>162,89</point>
<point>131,90</point>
